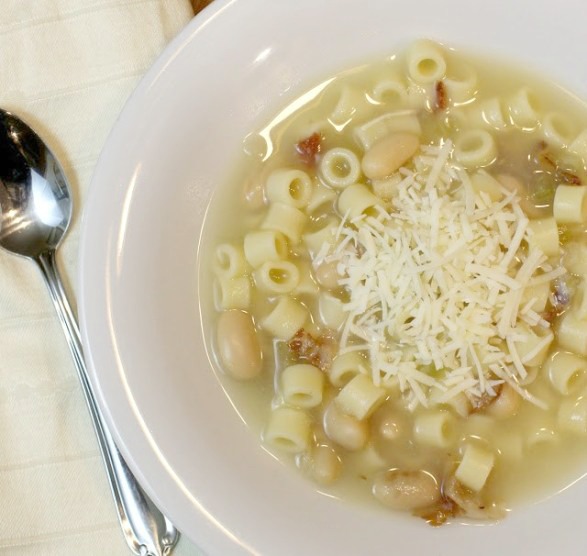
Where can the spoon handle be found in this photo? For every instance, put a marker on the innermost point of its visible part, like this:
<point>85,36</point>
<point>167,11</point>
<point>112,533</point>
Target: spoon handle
<point>147,531</point>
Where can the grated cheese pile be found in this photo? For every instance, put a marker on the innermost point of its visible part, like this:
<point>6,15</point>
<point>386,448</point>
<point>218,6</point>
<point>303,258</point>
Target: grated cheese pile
<point>436,283</point>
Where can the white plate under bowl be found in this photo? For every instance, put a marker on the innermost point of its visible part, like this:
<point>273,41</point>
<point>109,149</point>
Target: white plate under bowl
<point>229,71</point>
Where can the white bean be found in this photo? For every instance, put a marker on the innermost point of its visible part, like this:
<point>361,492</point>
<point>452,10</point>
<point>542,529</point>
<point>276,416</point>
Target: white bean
<point>388,154</point>
<point>238,345</point>
<point>406,490</point>
<point>506,404</point>
<point>345,430</point>
<point>327,275</point>
<point>322,464</point>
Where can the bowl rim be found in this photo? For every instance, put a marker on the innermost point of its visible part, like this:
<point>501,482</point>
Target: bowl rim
<point>131,434</point>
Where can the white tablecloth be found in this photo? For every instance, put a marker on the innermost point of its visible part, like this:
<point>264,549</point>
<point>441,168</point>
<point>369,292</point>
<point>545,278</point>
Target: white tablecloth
<point>66,66</point>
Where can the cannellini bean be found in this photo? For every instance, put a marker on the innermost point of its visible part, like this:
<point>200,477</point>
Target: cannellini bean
<point>406,490</point>
<point>391,436</point>
<point>473,503</point>
<point>390,424</point>
<point>506,404</point>
<point>238,345</point>
<point>327,275</point>
<point>322,464</point>
<point>345,430</point>
<point>388,154</point>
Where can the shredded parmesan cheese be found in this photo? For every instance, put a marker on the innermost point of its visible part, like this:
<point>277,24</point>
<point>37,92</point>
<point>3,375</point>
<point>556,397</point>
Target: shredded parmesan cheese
<point>436,281</point>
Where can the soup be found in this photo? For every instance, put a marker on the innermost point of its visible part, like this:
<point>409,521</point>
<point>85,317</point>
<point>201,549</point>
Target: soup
<point>398,287</point>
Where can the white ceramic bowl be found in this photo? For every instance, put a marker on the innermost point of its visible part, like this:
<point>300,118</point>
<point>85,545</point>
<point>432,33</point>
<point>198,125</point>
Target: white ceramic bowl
<point>231,69</point>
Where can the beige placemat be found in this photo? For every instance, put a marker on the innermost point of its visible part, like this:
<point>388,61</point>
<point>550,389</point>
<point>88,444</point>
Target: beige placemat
<point>67,66</point>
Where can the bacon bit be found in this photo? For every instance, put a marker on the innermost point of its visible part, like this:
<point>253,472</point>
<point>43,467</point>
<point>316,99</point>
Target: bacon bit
<point>438,514</point>
<point>485,400</point>
<point>441,98</point>
<point>309,148</point>
<point>568,177</point>
<point>547,161</point>
<point>549,315</point>
<point>317,351</point>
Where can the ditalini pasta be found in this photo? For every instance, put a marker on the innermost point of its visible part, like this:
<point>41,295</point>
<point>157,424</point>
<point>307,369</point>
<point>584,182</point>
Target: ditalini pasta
<point>402,280</point>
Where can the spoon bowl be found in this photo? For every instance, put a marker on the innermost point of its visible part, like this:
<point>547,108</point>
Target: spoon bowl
<point>35,212</point>
<point>35,202</point>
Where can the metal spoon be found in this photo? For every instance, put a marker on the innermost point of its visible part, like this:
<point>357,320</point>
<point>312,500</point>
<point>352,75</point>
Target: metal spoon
<point>35,211</point>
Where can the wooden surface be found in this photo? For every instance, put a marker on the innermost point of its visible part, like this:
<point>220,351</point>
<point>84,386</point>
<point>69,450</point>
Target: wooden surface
<point>200,4</point>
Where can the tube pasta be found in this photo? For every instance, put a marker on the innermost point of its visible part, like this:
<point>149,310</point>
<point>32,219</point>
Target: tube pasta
<point>565,372</point>
<point>340,167</point>
<point>575,258</point>
<point>425,63</point>
<point>557,129</point>
<point>579,302</point>
<point>538,294</point>
<point>229,261</point>
<point>288,429</point>
<point>321,195</point>
<point>570,204</point>
<point>232,293</point>
<point>544,236</point>
<point>360,397</point>
<point>285,219</point>
<point>286,318</point>
<point>435,428</point>
<point>483,182</point>
<point>349,102</point>
<point>533,350</point>
<point>263,246</point>
<point>572,333</point>
<point>289,186</point>
<point>579,146</point>
<point>475,148</point>
<point>391,90</point>
<point>489,113</point>
<point>572,415</point>
<point>405,121</point>
<point>306,285</point>
<point>345,367</point>
<point>277,277</point>
<point>475,467</point>
<point>331,309</point>
<point>478,425</point>
<point>460,404</point>
<point>457,119</point>
<point>356,200</point>
<point>460,85</point>
<point>420,96</point>
<point>302,385</point>
<point>325,234</point>
<point>525,109</point>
